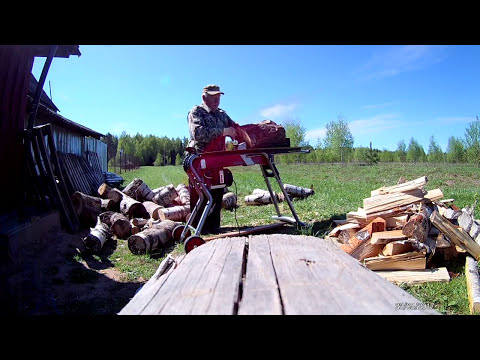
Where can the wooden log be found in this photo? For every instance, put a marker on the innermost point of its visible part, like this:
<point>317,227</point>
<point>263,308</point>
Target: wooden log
<point>103,190</point>
<point>473,284</point>
<point>87,208</point>
<point>174,213</point>
<point>107,204</point>
<point>417,227</point>
<point>397,247</point>
<point>401,187</point>
<point>105,217</point>
<point>475,230</point>
<point>298,191</point>
<point>229,201</point>
<point>414,260</point>
<point>138,190</point>
<point>465,220</point>
<point>153,238</point>
<point>141,222</point>
<point>462,239</point>
<point>133,208</point>
<point>413,277</point>
<point>120,225</point>
<point>97,237</point>
<point>262,197</point>
<point>263,135</point>
<point>165,196</point>
<point>183,194</point>
<point>152,209</point>
<point>359,245</point>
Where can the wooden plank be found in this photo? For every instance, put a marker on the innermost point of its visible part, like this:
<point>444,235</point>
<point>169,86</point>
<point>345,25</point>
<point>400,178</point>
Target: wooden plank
<point>414,260</point>
<point>411,277</point>
<point>473,284</point>
<point>260,290</point>
<point>389,201</point>
<point>406,186</point>
<point>384,237</point>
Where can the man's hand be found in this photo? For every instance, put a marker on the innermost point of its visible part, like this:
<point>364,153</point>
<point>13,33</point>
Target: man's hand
<point>230,131</point>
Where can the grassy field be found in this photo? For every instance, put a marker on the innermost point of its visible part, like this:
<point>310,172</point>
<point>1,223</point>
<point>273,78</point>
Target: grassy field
<point>338,190</point>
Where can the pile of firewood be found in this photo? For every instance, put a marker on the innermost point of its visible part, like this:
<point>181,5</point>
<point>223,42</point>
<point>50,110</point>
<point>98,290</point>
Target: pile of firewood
<point>401,227</point>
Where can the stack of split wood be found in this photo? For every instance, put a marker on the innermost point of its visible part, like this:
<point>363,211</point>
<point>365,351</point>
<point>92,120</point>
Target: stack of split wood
<point>401,227</point>
<point>143,216</point>
<point>262,197</point>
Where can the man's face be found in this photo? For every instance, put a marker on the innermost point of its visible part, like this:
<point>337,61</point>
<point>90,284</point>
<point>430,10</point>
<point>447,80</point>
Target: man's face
<point>212,101</point>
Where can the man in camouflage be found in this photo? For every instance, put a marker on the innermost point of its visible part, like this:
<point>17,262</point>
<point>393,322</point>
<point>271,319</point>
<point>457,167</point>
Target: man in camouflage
<point>208,126</point>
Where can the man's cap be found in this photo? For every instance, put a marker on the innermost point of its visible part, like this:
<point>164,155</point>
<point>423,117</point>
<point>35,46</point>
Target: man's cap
<point>212,90</point>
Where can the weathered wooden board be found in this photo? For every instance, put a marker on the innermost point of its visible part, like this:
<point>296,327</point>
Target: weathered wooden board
<point>271,274</point>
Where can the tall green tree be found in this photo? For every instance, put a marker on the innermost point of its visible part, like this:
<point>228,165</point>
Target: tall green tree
<point>112,143</point>
<point>472,142</point>
<point>401,151</point>
<point>415,152</point>
<point>435,153</point>
<point>455,150</point>
<point>339,138</point>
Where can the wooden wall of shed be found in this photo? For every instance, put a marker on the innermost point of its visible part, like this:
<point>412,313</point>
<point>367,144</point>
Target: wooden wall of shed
<point>16,64</point>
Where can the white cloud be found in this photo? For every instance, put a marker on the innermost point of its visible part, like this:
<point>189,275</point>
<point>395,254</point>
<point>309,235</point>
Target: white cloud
<point>313,135</point>
<point>278,110</point>
<point>393,60</point>
<point>374,124</point>
<point>376,106</point>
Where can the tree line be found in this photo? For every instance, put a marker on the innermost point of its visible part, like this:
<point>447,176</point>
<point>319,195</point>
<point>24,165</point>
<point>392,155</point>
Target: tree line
<point>337,146</point>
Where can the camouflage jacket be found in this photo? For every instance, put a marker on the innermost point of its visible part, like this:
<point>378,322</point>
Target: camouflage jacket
<point>206,128</point>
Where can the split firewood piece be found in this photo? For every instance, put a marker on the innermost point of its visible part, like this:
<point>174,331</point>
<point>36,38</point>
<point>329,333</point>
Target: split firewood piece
<point>392,200</point>
<point>396,222</point>
<point>412,277</point>
<point>414,260</point>
<point>152,209</point>
<point>97,237</point>
<point>103,190</point>
<point>183,194</point>
<point>165,196</point>
<point>359,245</point>
<point>138,190</point>
<point>418,226</point>
<point>87,208</point>
<point>433,195</point>
<point>298,191</point>
<point>174,213</point>
<point>153,238</point>
<point>458,237</point>
<point>401,187</point>
<point>473,284</point>
<point>345,235</point>
<point>384,237</point>
<point>465,220</point>
<point>336,231</point>
<point>229,201</point>
<point>120,225</point>
<point>398,247</point>
<point>133,208</point>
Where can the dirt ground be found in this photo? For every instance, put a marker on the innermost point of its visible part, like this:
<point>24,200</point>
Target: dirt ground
<point>53,279</point>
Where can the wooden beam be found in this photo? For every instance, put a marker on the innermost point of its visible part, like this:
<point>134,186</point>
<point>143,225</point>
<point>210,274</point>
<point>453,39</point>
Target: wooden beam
<point>473,284</point>
<point>411,277</point>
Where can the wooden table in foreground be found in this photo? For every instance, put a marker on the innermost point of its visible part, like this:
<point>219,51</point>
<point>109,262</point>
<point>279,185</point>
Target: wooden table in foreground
<point>270,274</point>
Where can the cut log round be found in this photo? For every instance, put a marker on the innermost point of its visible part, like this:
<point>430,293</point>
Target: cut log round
<point>133,208</point>
<point>152,209</point>
<point>107,204</point>
<point>138,190</point>
<point>97,237</point>
<point>174,213</point>
<point>262,197</point>
<point>298,191</point>
<point>152,239</point>
<point>165,196</point>
<point>120,225</point>
<point>103,190</point>
<point>105,217</point>
<point>87,208</point>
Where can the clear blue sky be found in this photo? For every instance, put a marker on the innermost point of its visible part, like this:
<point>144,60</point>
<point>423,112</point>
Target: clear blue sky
<point>386,93</point>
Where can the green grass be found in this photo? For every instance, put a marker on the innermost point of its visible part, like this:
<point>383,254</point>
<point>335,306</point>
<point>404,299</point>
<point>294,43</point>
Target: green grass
<point>338,190</point>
